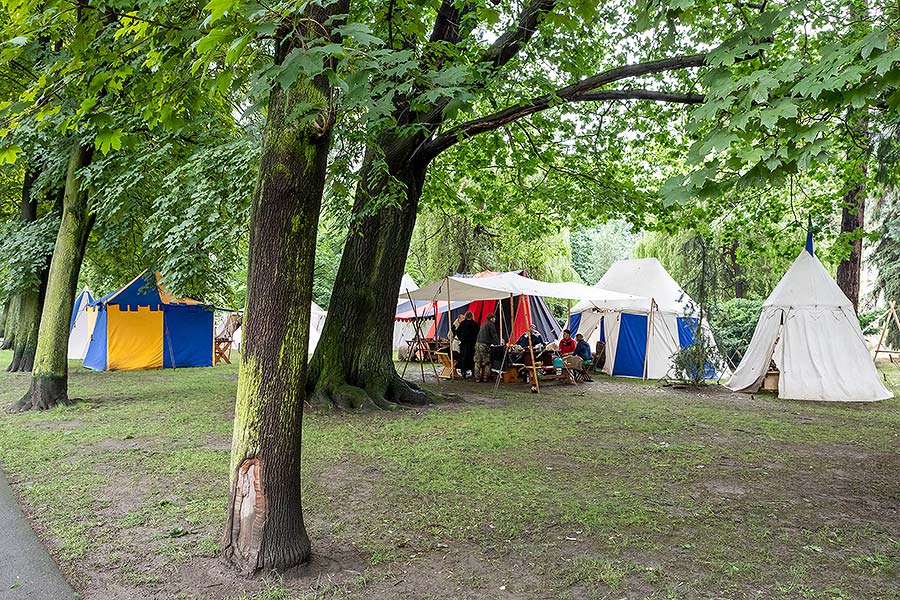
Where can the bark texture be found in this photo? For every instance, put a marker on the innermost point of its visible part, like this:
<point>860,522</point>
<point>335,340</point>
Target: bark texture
<point>265,530</point>
<point>853,217</point>
<point>362,374</point>
<point>23,340</point>
<point>49,382</point>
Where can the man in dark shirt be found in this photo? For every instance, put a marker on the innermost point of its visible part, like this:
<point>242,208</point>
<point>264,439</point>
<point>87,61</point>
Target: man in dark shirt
<point>536,339</point>
<point>582,348</point>
<point>487,337</point>
<point>466,331</point>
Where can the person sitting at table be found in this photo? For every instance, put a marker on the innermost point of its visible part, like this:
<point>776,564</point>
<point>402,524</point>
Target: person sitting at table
<point>466,331</point>
<point>537,341</point>
<point>583,351</point>
<point>566,344</point>
<point>487,337</point>
<point>582,348</point>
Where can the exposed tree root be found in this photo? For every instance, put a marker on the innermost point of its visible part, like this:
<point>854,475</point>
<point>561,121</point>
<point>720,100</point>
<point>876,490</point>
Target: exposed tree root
<point>45,393</point>
<point>389,393</point>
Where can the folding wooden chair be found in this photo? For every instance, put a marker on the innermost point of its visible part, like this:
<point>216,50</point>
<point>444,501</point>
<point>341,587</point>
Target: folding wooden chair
<point>225,338</point>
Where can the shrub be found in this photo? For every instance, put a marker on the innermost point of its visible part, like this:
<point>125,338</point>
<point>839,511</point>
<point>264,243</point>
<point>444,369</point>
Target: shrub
<point>733,325</point>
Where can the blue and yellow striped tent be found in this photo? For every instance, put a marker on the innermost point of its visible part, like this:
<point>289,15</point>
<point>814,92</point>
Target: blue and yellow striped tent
<point>141,326</point>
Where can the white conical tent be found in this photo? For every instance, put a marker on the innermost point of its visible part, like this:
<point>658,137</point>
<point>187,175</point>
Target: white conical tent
<point>81,326</point>
<point>809,328</point>
<point>316,321</point>
<point>639,341</point>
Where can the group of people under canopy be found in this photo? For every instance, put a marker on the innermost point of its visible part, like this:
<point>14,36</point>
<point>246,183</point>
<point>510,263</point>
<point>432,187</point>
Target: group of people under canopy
<point>808,332</point>
<point>475,355</point>
<point>633,342</point>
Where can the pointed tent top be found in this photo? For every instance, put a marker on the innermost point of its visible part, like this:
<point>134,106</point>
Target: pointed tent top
<point>807,283</point>
<point>647,278</point>
<point>83,300</point>
<point>809,239</point>
<point>144,290</point>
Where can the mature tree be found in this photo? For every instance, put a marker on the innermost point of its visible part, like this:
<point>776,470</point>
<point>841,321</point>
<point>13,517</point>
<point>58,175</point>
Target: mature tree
<point>453,71</point>
<point>807,99</point>
<point>265,529</point>
<point>98,78</point>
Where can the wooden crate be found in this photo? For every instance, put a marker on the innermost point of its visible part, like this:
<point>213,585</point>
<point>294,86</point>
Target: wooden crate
<point>770,382</point>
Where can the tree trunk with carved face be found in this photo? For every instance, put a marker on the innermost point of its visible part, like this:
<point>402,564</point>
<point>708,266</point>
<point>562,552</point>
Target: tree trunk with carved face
<point>265,529</point>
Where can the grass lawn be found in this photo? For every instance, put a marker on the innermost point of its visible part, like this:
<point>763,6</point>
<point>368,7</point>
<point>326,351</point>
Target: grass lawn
<point>616,489</point>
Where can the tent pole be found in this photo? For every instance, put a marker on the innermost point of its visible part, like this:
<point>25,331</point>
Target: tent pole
<point>450,332</point>
<point>500,308</point>
<point>534,381</point>
<point>569,314</point>
<point>418,331</point>
<point>512,316</point>
<point>892,312</point>
<point>649,329</point>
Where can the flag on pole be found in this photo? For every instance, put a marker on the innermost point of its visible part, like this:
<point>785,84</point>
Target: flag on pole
<point>809,242</point>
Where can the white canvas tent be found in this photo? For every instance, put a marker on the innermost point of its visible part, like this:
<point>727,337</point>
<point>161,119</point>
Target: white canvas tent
<point>640,336</point>
<point>809,328</point>
<point>81,326</point>
<point>316,321</point>
<point>406,329</point>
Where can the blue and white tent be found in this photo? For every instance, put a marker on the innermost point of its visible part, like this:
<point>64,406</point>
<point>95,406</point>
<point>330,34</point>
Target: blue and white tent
<point>642,337</point>
<point>81,325</point>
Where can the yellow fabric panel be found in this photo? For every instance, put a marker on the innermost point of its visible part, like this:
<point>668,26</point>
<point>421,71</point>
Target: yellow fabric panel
<point>134,339</point>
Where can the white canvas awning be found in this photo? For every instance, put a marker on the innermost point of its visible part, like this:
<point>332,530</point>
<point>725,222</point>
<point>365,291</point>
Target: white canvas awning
<point>501,286</point>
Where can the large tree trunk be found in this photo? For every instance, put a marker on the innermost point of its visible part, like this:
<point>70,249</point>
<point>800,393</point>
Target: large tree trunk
<point>28,319</point>
<point>265,529</point>
<point>9,332</point>
<point>364,299</point>
<point>49,381</point>
<point>853,217</point>
<point>28,305</point>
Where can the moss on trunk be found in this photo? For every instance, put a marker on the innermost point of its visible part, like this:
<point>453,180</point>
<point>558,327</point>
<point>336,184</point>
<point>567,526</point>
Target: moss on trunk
<point>364,299</point>
<point>49,384</point>
<point>265,529</point>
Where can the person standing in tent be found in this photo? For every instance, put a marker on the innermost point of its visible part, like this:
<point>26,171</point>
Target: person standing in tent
<point>466,331</point>
<point>487,337</point>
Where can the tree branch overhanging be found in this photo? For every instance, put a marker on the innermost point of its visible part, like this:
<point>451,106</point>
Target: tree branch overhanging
<point>581,91</point>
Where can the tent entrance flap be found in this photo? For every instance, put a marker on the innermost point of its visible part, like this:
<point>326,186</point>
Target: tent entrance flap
<point>631,346</point>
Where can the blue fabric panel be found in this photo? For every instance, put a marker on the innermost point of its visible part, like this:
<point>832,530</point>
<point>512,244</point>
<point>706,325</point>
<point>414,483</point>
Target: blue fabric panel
<point>95,358</point>
<point>75,311</point>
<point>602,330</point>
<point>632,346</point>
<point>687,329</point>
<point>142,291</point>
<point>187,336</point>
<point>687,326</point>
<point>574,323</point>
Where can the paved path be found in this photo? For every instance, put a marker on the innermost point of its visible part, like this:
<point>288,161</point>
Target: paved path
<point>26,570</point>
